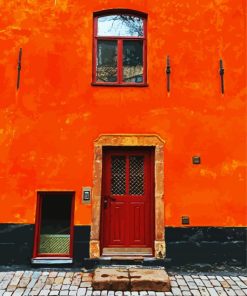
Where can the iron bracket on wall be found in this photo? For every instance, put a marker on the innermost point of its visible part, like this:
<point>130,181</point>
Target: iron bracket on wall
<point>168,73</point>
<point>222,71</point>
<point>19,69</point>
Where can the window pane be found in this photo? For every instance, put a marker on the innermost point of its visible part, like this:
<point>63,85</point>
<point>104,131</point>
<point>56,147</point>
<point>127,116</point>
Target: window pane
<point>120,25</point>
<point>133,61</point>
<point>107,61</point>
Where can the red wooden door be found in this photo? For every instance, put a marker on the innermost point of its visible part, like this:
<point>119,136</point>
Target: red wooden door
<point>127,198</point>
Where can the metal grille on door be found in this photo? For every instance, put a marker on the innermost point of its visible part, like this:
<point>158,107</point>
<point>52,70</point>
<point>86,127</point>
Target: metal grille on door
<point>118,175</point>
<point>136,175</point>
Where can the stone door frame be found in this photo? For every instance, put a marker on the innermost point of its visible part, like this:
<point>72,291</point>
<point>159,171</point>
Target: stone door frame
<point>137,140</point>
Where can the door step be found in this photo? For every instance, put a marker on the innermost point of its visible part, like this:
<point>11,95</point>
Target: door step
<point>131,279</point>
<point>122,258</point>
<point>127,252</point>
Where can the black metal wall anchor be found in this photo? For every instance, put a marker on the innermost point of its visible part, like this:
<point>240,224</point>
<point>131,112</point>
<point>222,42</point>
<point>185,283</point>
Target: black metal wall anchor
<point>19,69</point>
<point>222,71</point>
<point>168,73</point>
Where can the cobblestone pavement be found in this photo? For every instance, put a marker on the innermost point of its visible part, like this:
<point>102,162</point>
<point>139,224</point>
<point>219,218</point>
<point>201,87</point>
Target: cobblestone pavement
<point>24,283</point>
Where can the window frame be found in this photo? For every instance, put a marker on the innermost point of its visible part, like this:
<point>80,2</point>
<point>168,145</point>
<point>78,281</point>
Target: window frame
<point>36,253</point>
<point>119,40</point>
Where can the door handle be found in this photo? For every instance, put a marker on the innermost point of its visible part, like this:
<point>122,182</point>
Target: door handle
<point>109,197</point>
<point>106,199</point>
<point>105,202</point>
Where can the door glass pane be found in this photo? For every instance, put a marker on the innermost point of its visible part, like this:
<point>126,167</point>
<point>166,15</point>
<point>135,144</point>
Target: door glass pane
<point>120,25</point>
<point>118,175</point>
<point>55,223</point>
<point>133,61</point>
<point>107,61</point>
<point>136,175</point>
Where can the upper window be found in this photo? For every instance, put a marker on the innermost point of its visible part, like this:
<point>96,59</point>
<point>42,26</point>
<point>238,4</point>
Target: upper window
<point>120,55</point>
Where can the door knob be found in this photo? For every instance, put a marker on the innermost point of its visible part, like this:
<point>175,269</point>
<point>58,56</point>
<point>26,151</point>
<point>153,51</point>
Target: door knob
<point>106,199</point>
<point>105,202</point>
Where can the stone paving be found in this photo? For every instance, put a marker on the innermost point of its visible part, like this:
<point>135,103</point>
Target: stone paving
<point>25,283</point>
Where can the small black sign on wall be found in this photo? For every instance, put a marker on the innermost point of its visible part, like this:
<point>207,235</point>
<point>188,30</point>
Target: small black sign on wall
<point>185,220</point>
<point>196,159</point>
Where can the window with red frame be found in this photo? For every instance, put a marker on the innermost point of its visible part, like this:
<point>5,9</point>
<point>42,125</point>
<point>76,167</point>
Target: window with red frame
<point>119,49</point>
<point>54,224</point>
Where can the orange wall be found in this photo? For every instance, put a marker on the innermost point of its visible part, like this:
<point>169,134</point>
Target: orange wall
<point>47,128</point>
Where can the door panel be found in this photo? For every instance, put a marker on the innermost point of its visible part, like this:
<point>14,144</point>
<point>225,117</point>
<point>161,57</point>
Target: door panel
<point>127,198</point>
<point>137,216</point>
<point>117,227</point>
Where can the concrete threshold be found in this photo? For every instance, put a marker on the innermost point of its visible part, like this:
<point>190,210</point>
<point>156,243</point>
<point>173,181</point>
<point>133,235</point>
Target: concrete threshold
<point>131,279</point>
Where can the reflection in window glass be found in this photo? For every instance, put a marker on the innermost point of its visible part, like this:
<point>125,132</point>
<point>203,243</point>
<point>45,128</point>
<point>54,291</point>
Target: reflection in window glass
<point>107,61</point>
<point>132,61</point>
<point>120,25</point>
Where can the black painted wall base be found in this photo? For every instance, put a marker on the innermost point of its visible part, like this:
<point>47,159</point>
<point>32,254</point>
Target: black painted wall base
<point>81,243</point>
<point>207,245</point>
<point>16,243</point>
<point>184,244</point>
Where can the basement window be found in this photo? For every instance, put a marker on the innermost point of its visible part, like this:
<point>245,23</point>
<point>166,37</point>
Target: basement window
<point>54,225</point>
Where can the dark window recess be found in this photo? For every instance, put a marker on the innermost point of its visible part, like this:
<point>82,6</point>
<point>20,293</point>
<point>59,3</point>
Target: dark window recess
<point>55,223</point>
<point>107,61</point>
<point>133,61</point>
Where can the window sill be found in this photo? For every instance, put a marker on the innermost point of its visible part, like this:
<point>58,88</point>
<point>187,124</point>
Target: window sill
<point>120,85</point>
<point>52,260</point>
